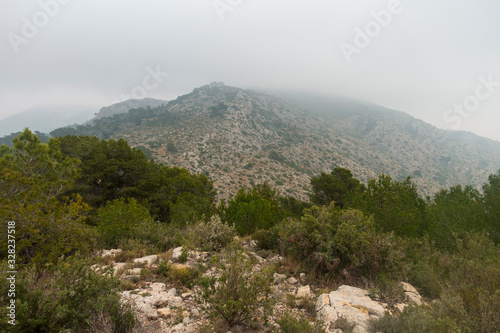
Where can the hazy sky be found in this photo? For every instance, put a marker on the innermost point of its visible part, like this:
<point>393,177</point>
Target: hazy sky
<point>436,60</point>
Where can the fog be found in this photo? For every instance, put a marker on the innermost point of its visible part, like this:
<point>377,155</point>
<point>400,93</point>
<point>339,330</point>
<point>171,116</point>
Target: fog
<point>438,61</point>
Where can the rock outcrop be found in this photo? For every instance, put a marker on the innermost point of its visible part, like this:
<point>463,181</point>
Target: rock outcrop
<point>350,303</point>
<point>163,306</point>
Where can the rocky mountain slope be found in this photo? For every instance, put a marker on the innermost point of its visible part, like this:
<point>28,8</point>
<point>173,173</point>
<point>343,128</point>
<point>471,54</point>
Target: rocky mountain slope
<point>125,106</point>
<point>241,137</point>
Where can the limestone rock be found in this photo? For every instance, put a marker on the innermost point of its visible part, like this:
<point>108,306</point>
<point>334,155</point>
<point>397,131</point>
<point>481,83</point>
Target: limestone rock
<point>118,268</point>
<point>304,292</point>
<point>352,303</point>
<point>133,271</point>
<point>110,253</point>
<point>278,278</point>
<point>177,253</point>
<point>164,312</point>
<point>148,260</point>
<point>412,295</point>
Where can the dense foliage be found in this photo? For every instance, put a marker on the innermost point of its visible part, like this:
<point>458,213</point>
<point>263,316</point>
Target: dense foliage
<point>112,169</point>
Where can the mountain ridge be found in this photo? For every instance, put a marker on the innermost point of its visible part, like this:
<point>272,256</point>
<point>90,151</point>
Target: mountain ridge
<point>241,137</point>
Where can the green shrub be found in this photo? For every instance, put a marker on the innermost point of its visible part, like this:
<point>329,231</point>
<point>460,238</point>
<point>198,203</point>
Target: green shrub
<point>182,275</point>
<point>255,209</point>
<point>290,324</point>
<point>438,318</point>
<point>183,258</point>
<point>213,235</point>
<point>267,239</point>
<point>163,268</point>
<point>239,292</point>
<point>466,283</point>
<point>118,220</point>
<point>65,296</point>
<point>123,222</point>
<point>330,241</point>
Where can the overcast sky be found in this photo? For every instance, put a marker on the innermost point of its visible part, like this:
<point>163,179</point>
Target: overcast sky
<point>436,60</point>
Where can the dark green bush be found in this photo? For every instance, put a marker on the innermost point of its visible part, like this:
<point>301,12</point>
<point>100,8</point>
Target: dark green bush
<point>121,221</point>
<point>330,241</point>
<point>65,296</point>
<point>267,239</point>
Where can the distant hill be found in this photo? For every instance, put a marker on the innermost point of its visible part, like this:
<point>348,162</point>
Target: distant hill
<point>45,118</point>
<point>241,137</point>
<point>125,106</point>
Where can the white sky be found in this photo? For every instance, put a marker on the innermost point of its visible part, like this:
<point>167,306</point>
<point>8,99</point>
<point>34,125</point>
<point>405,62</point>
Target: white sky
<point>92,52</point>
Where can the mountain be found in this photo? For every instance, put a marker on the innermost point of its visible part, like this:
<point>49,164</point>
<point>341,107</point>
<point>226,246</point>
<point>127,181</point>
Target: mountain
<point>428,154</point>
<point>45,118</point>
<point>125,106</point>
<point>242,137</point>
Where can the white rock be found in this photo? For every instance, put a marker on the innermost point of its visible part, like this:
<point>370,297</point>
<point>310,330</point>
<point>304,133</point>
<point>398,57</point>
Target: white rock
<point>327,314</point>
<point>323,300</point>
<point>278,278</point>
<point>352,303</point>
<point>195,312</point>
<point>164,312</point>
<point>304,292</point>
<point>412,295</point>
<point>133,271</point>
<point>148,260</point>
<point>177,253</point>
<point>172,292</point>
<point>401,306</point>
<point>292,280</point>
<point>108,253</point>
<point>118,268</point>
<point>175,301</point>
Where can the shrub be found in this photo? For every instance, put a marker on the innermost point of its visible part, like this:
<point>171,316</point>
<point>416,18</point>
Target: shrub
<point>435,319</point>
<point>181,274</point>
<point>290,324</point>
<point>118,220</point>
<point>65,296</point>
<point>238,292</point>
<point>123,222</point>
<point>213,235</point>
<point>257,208</point>
<point>331,241</point>
<point>466,281</point>
<point>183,258</point>
<point>267,239</point>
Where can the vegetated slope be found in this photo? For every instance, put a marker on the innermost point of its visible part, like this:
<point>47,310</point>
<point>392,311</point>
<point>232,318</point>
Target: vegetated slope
<point>434,158</point>
<point>241,137</point>
<point>125,106</point>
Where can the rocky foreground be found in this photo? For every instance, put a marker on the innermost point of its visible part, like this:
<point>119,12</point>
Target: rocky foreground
<point>173,306</point>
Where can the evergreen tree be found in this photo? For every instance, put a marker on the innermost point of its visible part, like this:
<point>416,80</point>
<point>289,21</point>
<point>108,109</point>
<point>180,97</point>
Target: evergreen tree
<point>339,186</point>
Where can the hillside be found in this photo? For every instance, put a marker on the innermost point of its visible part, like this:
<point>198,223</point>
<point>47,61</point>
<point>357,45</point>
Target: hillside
<point>241,137</point>
<point>434,158</point>
<point>125,106</point>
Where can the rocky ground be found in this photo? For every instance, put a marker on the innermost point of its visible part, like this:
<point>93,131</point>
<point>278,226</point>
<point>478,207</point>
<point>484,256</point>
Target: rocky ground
<point>174,305</point>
